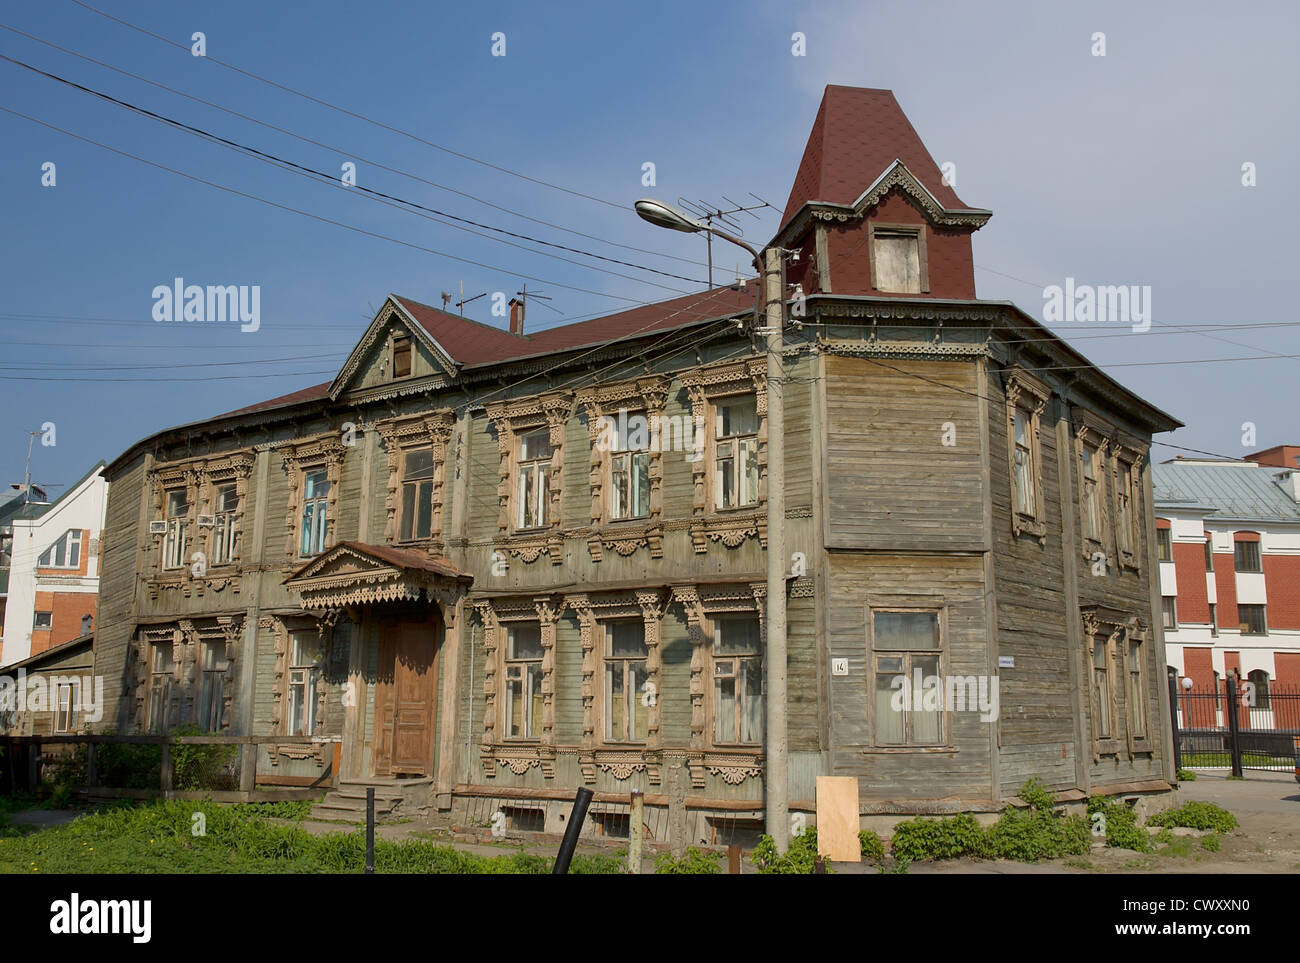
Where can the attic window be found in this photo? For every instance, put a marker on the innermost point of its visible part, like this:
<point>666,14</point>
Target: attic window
<point>401,356</point>
<point>898,263</point>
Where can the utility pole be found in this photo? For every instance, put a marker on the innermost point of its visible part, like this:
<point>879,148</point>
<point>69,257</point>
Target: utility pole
<point>776,767</point>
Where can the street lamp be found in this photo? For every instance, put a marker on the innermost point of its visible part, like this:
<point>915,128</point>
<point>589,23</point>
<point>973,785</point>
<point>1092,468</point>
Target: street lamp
<point>770,268</point>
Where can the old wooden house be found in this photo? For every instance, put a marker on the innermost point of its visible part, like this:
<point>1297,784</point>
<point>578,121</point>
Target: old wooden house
<point>484,567</point>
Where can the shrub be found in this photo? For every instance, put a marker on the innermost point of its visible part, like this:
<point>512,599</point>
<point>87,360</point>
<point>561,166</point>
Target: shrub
<point>1196,815</point>
<point>939,838</point>
<point>873,850</point>
<point>1186,775</point>
<point>799,859</point>
<point>1039,832</point>
<point>1122,829</point>
<point>695,862</point>
<point>1210,843</point>
<point>202,767</point>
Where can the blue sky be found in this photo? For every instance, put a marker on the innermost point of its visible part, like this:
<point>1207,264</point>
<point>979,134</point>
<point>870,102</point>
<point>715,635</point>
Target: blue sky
<point>1123,169</point>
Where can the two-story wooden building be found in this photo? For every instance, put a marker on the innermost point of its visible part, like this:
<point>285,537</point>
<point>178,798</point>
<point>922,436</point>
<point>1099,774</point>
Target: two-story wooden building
<point>491,566</point>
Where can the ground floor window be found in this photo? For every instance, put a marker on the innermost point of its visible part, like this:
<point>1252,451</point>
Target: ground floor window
<point>737,680</point>
<point>907,650</point>
<point>627,701</point>
<point>65,706</point>
<point>304,676</point>
<point>161,672</point>
<point>211,694</point>
<point>523,702</point>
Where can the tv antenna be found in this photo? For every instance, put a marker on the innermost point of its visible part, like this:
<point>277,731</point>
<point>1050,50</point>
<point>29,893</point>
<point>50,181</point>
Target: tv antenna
<point>524,296</point>
<point>464,300</point>
<point>709,213</point>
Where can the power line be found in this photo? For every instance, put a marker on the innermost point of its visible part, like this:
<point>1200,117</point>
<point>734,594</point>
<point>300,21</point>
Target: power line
<point>353,154</point>
<point>143,381</point>
<point>439,216</point>
<point>354,114</point>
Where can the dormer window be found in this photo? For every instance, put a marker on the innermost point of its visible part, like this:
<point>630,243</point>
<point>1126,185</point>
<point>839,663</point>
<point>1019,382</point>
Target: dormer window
<point>898,262</point>
<point>401,356</point>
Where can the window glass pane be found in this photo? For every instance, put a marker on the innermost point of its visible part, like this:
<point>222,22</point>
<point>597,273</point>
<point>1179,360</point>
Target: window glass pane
<point>177,504</point>
<point>751,700</point>
<point>615,703</point>
<point>890,722</point>
<point>737,416</point>
<point>640,484</point>
<point>724,703</point>
<point>927,724</point>
<point>626,639</point>
<point>1247,556</point>
<point>736,634</point>
<point>419,464</point>
<point>534,445</point>
<point>524,641</point>
<point>906,630</point>
<point>1164,544</point>
<point>640,706</point>
<point>315,484</point>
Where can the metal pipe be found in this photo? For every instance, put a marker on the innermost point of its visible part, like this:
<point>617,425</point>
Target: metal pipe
<point>370,829</point>
<point>570,842</point>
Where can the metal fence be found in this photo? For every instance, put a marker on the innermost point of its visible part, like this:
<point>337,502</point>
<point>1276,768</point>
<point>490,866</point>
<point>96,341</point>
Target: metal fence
<point>1235,725</point>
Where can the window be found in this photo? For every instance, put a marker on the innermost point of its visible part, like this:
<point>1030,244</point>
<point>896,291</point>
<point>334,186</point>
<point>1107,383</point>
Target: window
<point>65,711</point>
<point>1137,700</point>
<point>178,509</point>
<point>627,713</point>
<point>1246,556</point>
<point>224,530</point>
<point>1124,506</point>
<point>1209,554</point>
<point>1214,619</point>
<point>1251,619</point>
<point>417,494</point>
<point>65,553</point>
<point>629,471</point>
<point>907,647</point>
<point>1165,544</point>
<point>898,260</point>
<point>533,493</point>
<point>1026,469</point>
<point>737,681</point>
<point>315,510</point>
<point>211,703</point>
<point>43,621</point>
<point>1259,680</point>
<point>523,704</point>
<point>1101,688</point>
<point>160,684</point>
<point>1091,494</point>
<point>1169,611</point>
<point>304,670</point>
<point>735,472</point>
<point>401,356</point>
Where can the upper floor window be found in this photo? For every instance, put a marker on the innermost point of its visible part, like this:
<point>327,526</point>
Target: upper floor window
<point>401,356</point>
<point>533,491</point>
<point>1124,513</point>
<point>1090,474</point>
<point>417,494</point>
<point>43,621</point>
<point>629,470</point>
<point>898,259</point>
<point>1169,611</point>
<point>627,710</point>
<point>315,512</point>
<point>735,471</point>
<point>1165,544</point>
<point>1252,619</point>
<point>178,509</point>
<point>737,681</point>
<point>225,527</point>
<point>1025,462</point>
<point>523,702</point>
<point>1209,554</point>
<point>65,553</point>
<point>1246,555</point>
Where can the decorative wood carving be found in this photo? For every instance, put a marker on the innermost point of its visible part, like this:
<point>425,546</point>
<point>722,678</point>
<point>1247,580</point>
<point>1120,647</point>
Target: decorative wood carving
<point>1027,392</point>
<point>512,418</point>
<point>433,431</point>
<point>322,451</point>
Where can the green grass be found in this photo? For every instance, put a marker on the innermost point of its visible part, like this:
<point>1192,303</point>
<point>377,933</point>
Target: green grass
<point>1222,760</point>
<point>160,838</point>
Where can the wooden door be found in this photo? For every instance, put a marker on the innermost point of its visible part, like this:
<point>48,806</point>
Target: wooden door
<point>406,698</point>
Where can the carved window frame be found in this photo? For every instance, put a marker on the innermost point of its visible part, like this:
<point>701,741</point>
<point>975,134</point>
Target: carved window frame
<point>400,435</point>
<point>517,753</point>
<point>1112,630</point>
<point>1026,393</point>
<point>625,536</point>
<point>200,479</point>
<point>186,638</point>
<point>325,451</point>
<point>512,419</point>
<point>622,759</point>
<point>1137,696</point>
<point>705,386</point>
<point>1092,432</point>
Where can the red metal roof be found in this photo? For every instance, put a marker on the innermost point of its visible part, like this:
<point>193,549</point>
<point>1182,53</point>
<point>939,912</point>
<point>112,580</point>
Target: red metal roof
<point>305,394</point>
<point>858,133</point>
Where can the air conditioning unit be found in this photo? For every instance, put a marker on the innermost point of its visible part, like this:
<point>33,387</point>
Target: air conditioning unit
<point>207,521</point>
<point>157,528</point>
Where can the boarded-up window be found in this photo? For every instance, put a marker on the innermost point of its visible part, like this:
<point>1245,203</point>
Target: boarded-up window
<point>898,261</point>
<point>401,356</point>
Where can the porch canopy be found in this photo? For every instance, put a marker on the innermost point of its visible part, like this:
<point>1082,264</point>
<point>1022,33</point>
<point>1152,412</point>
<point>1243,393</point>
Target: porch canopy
<point>355,573</point>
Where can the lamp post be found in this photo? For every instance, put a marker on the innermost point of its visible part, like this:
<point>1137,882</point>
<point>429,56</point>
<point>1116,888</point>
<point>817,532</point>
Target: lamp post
<point>771,271</point>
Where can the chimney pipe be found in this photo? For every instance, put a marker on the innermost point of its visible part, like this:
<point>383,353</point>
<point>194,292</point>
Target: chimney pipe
<point>516,316</point>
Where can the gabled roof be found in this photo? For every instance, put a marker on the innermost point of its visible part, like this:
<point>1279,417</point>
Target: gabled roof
<point>858,134</point>
<point>1234,490</point>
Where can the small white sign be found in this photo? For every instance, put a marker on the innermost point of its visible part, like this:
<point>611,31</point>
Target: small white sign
<point>839,666</point>
<point>1006,662</point>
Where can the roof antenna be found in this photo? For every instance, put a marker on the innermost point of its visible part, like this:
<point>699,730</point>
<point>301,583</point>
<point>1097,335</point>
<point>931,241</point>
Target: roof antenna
<point>712,212</point>
<point>464,300</point>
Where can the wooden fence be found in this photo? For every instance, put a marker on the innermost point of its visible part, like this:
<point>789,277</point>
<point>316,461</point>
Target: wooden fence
<point>22,759</point>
